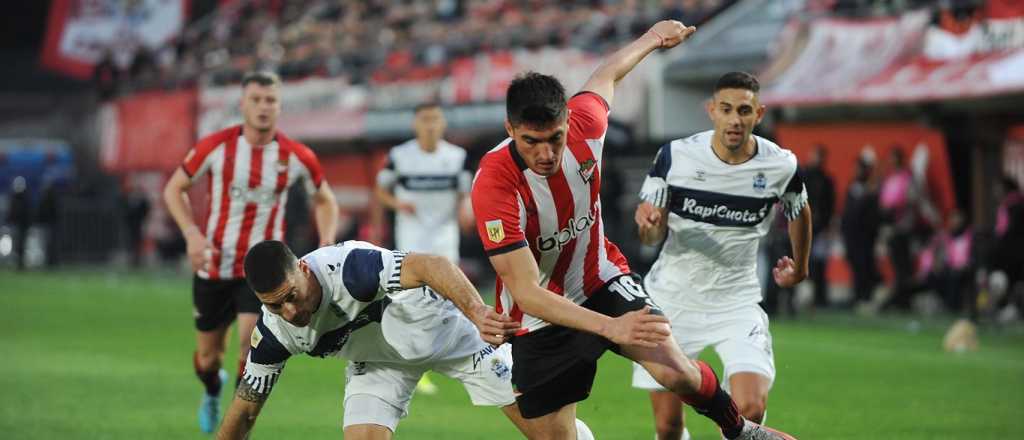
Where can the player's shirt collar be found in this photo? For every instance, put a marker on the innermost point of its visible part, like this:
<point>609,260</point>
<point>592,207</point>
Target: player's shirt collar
<point>516,157</point>
<point>757,149</point>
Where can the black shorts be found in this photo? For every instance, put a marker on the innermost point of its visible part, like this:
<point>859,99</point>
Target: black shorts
<point>555,366</point>
<point>217,302</point>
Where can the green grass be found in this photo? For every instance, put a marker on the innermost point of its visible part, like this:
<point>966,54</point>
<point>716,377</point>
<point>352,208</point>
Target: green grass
<point>87,355</point>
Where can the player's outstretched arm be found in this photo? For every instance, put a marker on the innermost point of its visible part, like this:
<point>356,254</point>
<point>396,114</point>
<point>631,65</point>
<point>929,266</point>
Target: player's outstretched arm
<point>651,222</point>
<point>663,35</point>
<point>241,416</point>
<point>325,210</point>
<point>518,271</point>
<point>446,279</point>
<point>789,272</point>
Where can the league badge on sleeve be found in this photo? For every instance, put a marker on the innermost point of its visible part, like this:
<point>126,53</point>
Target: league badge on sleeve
<point>495,231</point>
<point>256,337</point>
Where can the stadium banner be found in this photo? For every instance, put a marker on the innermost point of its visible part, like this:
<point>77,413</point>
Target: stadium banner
<point>147,131</point>
<point>823,73</point>
<point>845,143</point>
<point>79,33</point>
<point>929,63</point>
<point>311,109</point>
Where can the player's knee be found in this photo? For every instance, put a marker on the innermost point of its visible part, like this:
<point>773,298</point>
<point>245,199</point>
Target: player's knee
<point>209,359</point>
<point>751,407</point>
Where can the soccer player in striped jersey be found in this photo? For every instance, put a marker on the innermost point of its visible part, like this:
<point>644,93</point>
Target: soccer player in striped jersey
<point>714,195</point>
<point>535,197</point>
<point>250,167</point>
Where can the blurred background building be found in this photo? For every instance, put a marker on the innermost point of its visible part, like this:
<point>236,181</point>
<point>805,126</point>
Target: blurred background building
<point>905,112</point>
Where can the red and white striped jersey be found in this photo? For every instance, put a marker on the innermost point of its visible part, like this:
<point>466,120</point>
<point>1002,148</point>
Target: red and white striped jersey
<point>248,191</point>
<point>558,217</point>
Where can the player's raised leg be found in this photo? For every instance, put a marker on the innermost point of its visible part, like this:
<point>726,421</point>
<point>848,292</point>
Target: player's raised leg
<point>695,383</point>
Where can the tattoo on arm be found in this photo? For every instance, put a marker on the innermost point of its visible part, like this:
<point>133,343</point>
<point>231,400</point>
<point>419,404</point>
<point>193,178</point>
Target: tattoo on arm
<point>248,393</point>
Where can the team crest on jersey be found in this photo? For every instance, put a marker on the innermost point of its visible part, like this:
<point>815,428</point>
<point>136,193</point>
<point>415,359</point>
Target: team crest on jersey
<point>760,182</point>
<point>500,368</point>
<point>282,165</point>
<point>699,176</point>
<point>495,231</point>
<point>256,337</point>
<point>587,170</point>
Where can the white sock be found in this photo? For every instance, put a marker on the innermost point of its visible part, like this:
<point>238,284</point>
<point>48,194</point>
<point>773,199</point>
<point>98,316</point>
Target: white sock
<point>583,431</point>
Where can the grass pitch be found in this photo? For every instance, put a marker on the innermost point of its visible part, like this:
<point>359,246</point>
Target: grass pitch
<point>88,355</point>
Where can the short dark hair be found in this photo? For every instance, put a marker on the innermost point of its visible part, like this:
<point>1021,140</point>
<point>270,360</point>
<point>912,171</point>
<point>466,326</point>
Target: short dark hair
<point>267,265</point>
<point>738,80</point>
<point>261,78</point>
<point>426,105</point>
<point>535,99</point>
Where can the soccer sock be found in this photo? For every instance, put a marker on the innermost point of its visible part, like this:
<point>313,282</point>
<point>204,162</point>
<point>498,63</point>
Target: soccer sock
<point>210,379</point>
<point>714,403</point>
<point>241,372</point>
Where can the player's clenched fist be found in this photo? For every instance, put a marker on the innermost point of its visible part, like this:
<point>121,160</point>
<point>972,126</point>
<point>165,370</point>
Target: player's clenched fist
<point>639,327</point>
<point>494,327</point>
<point>670,33</point>
<point>647,216</point>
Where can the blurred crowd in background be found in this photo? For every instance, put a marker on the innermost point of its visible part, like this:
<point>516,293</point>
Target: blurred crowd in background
<point>889,243</point>
<point>379,40</point>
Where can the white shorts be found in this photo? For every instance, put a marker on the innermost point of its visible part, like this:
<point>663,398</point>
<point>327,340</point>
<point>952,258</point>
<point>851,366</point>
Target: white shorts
<point>741,338</point>
<point>379,393</point>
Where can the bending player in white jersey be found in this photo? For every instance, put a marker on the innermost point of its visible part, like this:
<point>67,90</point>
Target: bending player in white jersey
<point>714,194</point>
<point>426,183</point>
<point>336,301</point>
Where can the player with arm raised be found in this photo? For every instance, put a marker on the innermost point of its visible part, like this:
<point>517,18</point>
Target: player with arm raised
<point>250,168</point>
<point>339,301</point>
<point>535,198</point>
<point>714,194</point>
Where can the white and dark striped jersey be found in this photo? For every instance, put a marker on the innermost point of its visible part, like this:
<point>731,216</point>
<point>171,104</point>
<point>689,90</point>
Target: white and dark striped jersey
<point>432,182</point>
<point>248,192</point>
<point>717,214</point>
<point>359,320</point>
